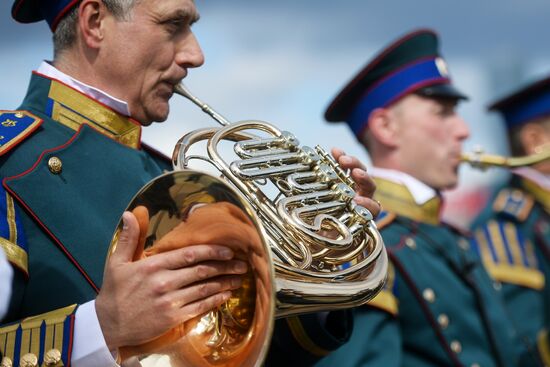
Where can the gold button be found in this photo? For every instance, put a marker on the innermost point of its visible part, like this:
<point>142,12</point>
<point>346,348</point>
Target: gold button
<point>475,365</point>
<point>463,244</point>
<point>497,286</point>
<point>517,195</point>
<point>6,362</point>
<point>55,165</point>
<point>52,358</point>
<point>29,360</point>
<point>429,295</point>
<point>456,346</point>
<point>410,243</point>
<point>443,321</point>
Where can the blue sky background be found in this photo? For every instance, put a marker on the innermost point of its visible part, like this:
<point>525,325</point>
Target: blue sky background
<point>283,61</point>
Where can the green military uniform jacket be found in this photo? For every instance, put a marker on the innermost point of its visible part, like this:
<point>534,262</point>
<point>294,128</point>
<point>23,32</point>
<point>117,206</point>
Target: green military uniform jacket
<point>69,168</point>
<point>439,306</point>
<point>512,237</point>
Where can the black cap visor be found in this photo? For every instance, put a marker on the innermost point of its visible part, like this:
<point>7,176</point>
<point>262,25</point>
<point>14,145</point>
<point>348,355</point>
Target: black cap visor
<point>447,91</point>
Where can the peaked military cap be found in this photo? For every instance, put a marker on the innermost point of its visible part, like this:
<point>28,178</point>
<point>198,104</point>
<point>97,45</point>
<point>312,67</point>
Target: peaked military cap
<point>412,64</point>
<point>52,11</point>
<point>528,103</point>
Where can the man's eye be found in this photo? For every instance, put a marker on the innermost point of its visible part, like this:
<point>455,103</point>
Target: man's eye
<point>175,25</point>
<point>446,112</point>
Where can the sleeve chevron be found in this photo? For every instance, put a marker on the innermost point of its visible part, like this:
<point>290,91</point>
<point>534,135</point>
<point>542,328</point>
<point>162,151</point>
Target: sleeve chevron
<point>508,255</point>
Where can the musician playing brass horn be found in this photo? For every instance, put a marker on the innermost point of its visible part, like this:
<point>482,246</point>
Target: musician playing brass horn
<point>439,307</point>
<point>512,234</point>
<point>71,159</point>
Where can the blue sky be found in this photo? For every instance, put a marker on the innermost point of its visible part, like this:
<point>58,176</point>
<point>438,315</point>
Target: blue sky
<point>283,61</point>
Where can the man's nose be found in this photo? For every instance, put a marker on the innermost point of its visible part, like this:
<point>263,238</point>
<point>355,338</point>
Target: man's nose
<point>462,130</point>
<point>189,53</point>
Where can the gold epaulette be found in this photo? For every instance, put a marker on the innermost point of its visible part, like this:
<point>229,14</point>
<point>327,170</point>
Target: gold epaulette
<point>513,203</point>
<point>507,255</point>
<point>43,340</point>
<point>15,126</point>
<point>387,300</point>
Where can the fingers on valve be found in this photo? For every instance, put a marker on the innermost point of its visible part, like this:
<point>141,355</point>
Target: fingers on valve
<point>373,206</point>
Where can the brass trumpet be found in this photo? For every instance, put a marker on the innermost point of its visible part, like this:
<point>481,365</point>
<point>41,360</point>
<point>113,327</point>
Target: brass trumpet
<point>478,159</point>
<point>319,250</point>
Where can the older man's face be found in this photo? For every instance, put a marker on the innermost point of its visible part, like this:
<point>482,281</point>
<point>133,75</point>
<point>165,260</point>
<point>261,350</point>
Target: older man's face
<point>149,53</point>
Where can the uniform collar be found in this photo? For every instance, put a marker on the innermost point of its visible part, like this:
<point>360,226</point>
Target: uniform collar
<point>404,195</point>
<point>69,105</point>
<point>535,184</point>
<point>420,192</point>
<point>535,176</point>
<point>47,69</point>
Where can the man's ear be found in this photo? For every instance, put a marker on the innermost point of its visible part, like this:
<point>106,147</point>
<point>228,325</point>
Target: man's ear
<point>383,127</point>
<point>533,137</point>
<point>91,16</point>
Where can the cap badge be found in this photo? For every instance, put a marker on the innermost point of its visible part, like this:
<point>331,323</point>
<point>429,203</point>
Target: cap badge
<point>442,67</point>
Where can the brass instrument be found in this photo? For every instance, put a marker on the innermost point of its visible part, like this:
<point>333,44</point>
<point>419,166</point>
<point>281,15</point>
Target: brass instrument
<point>320,250</point>
<point>478,159</point>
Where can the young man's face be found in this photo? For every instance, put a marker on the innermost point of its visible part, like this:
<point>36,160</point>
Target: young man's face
<point>429,136</point>
<point>149,53</point>
<point>535,139</point>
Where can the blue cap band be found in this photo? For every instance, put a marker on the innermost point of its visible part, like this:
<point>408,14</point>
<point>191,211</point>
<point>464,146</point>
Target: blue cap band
<point>528,110</point>
<point>52,10</point>
<point>411,77</point>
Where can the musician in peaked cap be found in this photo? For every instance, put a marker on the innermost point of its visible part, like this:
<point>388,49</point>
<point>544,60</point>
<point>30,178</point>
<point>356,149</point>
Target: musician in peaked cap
<point>71,158</point>
<point>512,234</point>
<point>439,307</point>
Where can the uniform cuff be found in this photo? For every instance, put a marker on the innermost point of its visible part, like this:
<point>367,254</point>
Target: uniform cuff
<point>89,348</point>
<point>6,275</point>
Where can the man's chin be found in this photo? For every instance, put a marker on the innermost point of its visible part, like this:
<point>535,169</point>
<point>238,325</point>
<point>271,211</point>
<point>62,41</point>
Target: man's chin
<point>451,183</point>
<point>158,114</point>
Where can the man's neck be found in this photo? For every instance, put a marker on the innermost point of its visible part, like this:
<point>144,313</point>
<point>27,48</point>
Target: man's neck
<point>52,71</point>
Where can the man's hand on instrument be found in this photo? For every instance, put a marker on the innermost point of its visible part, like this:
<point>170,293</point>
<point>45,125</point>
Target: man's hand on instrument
<point>142,299</point>
<point>365,185</point>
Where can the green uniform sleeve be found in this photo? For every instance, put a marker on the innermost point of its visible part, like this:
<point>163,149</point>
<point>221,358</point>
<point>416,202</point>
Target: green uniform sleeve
<point>375,341</point>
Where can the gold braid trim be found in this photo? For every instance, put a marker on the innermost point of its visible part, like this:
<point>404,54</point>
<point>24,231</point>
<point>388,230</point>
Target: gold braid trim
<point>518,275</point>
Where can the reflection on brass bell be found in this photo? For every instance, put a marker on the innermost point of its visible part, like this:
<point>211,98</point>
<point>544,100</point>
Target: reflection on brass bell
<point>55,165</point>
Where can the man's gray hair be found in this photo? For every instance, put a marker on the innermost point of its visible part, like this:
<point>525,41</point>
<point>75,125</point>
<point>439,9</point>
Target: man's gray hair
<point>65,33</point>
